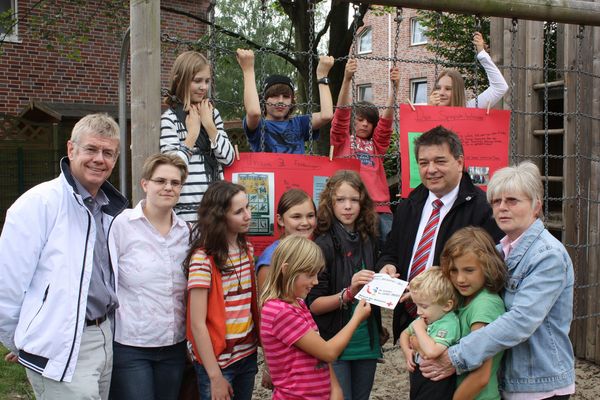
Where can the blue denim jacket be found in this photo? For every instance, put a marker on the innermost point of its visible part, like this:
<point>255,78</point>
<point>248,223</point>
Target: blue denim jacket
<point>539,309</point>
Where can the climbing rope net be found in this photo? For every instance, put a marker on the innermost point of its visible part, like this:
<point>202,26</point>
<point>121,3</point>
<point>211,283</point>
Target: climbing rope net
<point>565,122</point>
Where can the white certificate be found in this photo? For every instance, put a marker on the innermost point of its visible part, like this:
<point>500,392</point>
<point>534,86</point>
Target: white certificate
<point>383,291</point>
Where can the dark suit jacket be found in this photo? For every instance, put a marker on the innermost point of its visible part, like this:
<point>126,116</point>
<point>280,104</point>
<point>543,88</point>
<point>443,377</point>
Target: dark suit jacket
<point>470,209</point>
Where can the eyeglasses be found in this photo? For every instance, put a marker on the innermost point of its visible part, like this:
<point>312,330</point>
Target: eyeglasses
<point>91,151</point>
<point>509,201</point>
<point>175,184</point>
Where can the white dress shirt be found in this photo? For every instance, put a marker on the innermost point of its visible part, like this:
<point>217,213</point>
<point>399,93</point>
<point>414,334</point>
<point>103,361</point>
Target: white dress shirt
<point>152,285</point>
<point>448,201</point>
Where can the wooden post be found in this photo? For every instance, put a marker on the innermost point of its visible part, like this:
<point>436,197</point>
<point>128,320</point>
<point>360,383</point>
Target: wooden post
<point>55,149</point>
<point>577,148</point>
<point>585,206</point>
<point>145,86</point>
<point>594,195</point>
<point>567,11</point>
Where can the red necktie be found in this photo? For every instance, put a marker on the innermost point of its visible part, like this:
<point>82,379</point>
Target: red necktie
<point>422,254</point>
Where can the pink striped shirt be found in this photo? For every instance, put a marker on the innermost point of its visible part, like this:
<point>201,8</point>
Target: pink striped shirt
<point>296,375</point>
<point>237,290</point>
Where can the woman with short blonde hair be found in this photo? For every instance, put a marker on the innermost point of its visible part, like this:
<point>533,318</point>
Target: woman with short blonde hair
<point>538,295</point>
<point>150,243</point>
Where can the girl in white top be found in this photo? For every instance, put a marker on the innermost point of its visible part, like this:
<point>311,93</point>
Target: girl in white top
<point>449,89</point>
<point>150,243</point>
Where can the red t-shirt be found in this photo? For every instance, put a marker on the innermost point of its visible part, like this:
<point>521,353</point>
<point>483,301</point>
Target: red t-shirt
<point>368,151</point>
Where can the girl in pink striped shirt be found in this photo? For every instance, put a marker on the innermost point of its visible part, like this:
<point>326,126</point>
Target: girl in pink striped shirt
<point>296,355</point>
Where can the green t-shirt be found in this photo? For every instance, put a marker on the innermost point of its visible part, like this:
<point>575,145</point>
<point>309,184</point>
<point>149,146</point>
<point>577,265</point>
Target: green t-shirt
<point>445,331</point>
<point>484,308</point>
<point>359,347</point>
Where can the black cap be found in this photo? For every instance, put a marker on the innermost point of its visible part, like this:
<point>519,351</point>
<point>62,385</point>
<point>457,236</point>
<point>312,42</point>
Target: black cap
<point>277,79</point>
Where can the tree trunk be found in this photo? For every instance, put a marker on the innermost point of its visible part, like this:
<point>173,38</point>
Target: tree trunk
<point>340,42</point>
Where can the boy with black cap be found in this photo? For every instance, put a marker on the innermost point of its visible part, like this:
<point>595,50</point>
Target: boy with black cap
<point>282,134</point>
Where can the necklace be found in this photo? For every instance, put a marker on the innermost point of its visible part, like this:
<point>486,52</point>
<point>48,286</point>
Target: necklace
<point>234,270</point>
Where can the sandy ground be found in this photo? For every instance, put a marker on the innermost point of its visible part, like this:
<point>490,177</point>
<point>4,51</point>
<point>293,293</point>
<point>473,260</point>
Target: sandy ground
<point>391,378</point>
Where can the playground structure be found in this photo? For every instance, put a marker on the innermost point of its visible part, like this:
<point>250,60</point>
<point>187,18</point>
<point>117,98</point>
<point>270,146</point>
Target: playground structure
<point>554,98</point>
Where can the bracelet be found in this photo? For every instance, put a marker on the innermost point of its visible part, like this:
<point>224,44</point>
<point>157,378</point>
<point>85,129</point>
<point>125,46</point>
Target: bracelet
<point>350,295</point>
<point>187,150</point>
<point>341,298</point>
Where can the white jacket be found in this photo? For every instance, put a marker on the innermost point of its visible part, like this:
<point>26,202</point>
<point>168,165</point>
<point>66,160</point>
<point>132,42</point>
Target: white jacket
<point>46,257</point>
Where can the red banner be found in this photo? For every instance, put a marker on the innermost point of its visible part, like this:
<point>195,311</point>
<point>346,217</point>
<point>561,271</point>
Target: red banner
<point>485,138</point>
<point>267,176</point>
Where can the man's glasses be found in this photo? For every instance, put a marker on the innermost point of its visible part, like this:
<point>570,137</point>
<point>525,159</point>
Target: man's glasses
<point>91,151</point>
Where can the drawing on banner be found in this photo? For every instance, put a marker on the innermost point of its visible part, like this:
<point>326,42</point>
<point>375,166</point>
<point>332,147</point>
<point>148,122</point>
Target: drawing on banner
<point>479,175</point>
<point>260,187</point>
<point>319,183</point>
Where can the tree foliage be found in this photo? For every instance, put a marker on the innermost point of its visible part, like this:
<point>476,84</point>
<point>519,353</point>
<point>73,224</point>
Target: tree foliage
<point>451,40</point>
<point>335,28</point>
<point>246,25</point>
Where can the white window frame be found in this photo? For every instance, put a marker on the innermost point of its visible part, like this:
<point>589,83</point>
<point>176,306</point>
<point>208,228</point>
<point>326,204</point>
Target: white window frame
<point>414,22</point>
<point>361,35</point>
<point>413,92</point>
<point>360,89</point>
<point>13,36</point>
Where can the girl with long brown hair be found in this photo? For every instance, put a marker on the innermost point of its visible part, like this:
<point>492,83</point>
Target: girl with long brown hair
<point>347,234</point>
<point>222,323</point>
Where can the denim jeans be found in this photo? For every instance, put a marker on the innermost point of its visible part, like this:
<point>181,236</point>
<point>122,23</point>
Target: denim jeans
<point>355,377</point>
<point>240,376</point>
<point>152,373</point>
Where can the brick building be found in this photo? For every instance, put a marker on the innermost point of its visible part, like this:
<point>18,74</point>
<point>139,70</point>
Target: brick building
<point>376,39</point>
<point>32,72</point>
<point>43,91</point>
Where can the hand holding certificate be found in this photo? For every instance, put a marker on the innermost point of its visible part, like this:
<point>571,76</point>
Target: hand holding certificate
<point>383,291</point>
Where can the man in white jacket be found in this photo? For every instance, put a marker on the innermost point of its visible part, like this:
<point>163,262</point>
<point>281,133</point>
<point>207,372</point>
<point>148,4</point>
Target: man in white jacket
<point>57,285</point>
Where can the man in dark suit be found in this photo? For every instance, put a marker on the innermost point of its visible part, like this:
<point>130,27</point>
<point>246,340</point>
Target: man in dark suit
<point>446,201</point>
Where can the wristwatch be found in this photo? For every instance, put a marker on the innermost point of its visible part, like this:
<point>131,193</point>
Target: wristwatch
<point>323,81</point>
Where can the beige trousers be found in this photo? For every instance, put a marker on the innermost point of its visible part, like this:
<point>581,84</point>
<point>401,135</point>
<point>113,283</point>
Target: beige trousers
<point>91,380</point>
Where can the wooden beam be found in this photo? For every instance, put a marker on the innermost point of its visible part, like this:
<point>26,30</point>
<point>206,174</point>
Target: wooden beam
<point>145,87</point>
<point>577,146</point>
<point>594,194</point>
<point>566,11</point>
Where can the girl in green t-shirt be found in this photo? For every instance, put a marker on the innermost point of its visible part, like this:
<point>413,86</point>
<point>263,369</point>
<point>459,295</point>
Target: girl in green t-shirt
<point>477,271</point>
